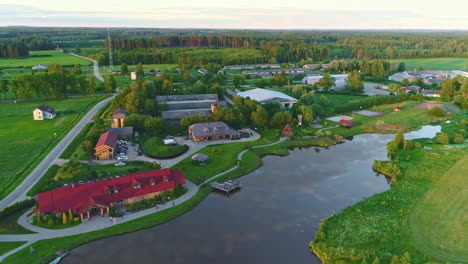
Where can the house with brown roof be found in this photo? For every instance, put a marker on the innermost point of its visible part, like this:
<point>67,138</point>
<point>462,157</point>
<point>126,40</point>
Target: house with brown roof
<point>105,147</point>
<point>212,131</point>
<point>43,112</point>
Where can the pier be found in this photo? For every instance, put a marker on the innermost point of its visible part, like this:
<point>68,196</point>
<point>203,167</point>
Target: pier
<point>227,186</point>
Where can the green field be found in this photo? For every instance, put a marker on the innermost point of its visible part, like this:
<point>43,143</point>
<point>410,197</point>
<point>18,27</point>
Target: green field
<point>8,246</point>
<point>154,146</point>
<point>25,141</point>
<point>9,225</point>
<point>436,63</point>
<point>51,57</point>
<point>438,222</point>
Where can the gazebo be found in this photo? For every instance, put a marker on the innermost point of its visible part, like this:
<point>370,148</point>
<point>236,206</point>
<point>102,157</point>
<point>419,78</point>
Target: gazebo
<point>200,158</point>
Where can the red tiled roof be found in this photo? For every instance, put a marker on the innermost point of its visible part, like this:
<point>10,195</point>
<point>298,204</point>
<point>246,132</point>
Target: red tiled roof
<point>107,139</point>
<point>346,122</point>
<point>79,198</point>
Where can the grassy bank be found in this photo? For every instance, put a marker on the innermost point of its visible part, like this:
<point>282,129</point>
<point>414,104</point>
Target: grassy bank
<point>8,246</point>
<point>46,57</point>
<point>154,146</point>
<point>26,142</point>
<point>378,226</point>
<point>9,225</point>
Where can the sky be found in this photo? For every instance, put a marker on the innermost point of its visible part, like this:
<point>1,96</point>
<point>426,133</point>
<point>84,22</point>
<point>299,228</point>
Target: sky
<point>239,14</point>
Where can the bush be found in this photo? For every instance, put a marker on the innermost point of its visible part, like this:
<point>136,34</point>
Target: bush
<point>437,112</point>
<point>387,168</point>
<point>16,207</point>
<point>442,138</point>
<point>458,139</point>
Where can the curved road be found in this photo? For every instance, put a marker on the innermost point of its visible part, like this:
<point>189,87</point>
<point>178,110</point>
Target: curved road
<point>19,194</point>
<point>96,66</point>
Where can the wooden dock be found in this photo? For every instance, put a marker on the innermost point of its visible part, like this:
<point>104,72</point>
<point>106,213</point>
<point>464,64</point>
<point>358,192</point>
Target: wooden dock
<point>227,186</point>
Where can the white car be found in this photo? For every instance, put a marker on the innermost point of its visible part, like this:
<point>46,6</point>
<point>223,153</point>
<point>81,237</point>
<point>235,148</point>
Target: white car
<point>169,142</point>
<point>120,164</point>
<point>122,158</point>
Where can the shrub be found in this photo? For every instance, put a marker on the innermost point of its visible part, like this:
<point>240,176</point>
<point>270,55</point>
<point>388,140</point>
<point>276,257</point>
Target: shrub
<point>51,222</point>
<point>387,168</point>
<point>458,139</point>
<point>442,138</point>
<point>437,112</point>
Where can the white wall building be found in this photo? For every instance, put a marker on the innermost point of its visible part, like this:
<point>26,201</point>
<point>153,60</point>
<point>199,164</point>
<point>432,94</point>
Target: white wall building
<point>340,79</point>
<point>264,96</point>
<point>44,112</point>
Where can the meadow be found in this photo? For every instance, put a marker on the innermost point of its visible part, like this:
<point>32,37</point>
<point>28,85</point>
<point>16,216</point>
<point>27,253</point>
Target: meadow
<point>25,141</point>
<point>436,63</point>
<point>43,57</point>
<point>437,223</point>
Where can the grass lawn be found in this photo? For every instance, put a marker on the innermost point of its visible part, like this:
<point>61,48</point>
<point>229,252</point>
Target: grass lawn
<point>25,141</point>
<point>8,246</point>
<point>44,57</point>
<point>437,223</point>
<point>154,146</point>
<point>9,225</point>
<point>436,63</point>
<point>340,99</point>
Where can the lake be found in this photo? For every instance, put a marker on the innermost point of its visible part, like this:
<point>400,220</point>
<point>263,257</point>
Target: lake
<point>271,220</point>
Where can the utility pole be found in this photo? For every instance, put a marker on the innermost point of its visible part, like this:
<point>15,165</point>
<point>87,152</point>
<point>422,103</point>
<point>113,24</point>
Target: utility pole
<point>111,64</point>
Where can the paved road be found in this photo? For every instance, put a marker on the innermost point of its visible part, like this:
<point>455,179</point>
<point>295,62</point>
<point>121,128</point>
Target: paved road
<point>96,66</point>
<point>19,193</point>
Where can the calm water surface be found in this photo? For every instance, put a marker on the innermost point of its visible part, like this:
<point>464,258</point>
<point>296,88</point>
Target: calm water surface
<point>271,220</point>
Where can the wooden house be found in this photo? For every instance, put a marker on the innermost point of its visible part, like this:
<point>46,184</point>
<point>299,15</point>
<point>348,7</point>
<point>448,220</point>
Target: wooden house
<point>287,130</point>
<point>105,147</point>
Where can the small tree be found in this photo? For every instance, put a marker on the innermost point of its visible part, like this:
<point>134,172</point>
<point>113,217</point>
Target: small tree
<point>70,215</point>
<point>437,112</point>
<point>39,218</point>
<point>458,139</point>
<point>124,68</point>
<point>51,222</point>
<point>64,218</point>
<point>326,82</point>
<point>442,138</point>
<point>376,261</point>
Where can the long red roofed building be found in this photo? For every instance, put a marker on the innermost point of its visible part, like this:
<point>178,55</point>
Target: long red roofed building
<point>104,194</point>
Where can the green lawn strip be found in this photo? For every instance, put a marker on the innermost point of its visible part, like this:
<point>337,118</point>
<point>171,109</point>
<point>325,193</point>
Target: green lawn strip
<point>19,142</point>
<point>154,146</point>
<point>437,223</point>
<point>377,226</point>
<point>47,182</point>
<point>8,246</point>
<point>435,63</point>
<point>75,144</point>
<point>9,225</point>
<point>49,57</point>
<point>45,249</point>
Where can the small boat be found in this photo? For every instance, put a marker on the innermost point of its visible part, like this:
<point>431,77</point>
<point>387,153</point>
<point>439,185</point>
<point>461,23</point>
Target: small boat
<point>60,255</point>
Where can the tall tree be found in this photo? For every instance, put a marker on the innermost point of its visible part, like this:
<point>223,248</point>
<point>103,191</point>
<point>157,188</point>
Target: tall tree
<point>401,67</point>
<point>167,87</point>
<point>76,69</point>
<point>91,89</point>
<point>4,87</point>
<point>123,68</point>
<point>259,117</point>
<point>448,90</point>
<point>139,70</point>
<point>110,84</point>
<point>326,82</point>
<point>354,81</point>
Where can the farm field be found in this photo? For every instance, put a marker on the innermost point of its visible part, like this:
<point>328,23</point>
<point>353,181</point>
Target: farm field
<point>436,63</point>
<point>438,221</point>
<point>25,141</point>
<point>53,57</point>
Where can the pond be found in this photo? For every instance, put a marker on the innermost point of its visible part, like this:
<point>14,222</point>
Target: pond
<point>271,220</point>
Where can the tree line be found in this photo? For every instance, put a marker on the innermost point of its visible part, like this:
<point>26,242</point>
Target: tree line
<point>20,47</point>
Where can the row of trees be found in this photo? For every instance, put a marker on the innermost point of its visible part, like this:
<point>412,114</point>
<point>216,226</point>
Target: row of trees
<point>20,47</point>
<point>55,82</point>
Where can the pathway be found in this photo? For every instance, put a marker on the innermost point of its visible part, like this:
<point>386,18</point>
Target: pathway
<point>95,64</point>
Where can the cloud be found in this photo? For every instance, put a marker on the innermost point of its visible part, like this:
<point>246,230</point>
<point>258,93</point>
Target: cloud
<point>222,17</point>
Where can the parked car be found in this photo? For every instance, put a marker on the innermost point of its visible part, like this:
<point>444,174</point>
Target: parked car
<point>169,137</point>
<point>120,164</point>
<point>140,153</point>
<point>170,142</point>
<point>133,144</point>
<point>122,158</point>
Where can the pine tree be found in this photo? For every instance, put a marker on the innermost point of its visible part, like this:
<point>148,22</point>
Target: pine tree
<point>376,261</point>
<point>70,215</point>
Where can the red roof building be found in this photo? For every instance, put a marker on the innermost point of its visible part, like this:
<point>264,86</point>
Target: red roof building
<point>346,123</point>
<point>103,194</point>
<point>105,147</point>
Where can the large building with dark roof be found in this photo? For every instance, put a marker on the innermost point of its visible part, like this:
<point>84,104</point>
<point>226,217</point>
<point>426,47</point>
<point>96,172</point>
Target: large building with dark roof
<point>212,131</point>
<point>105,147</point>
<point>100,196</point>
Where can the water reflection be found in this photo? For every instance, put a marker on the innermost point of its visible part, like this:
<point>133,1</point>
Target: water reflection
<point>271,220</point>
